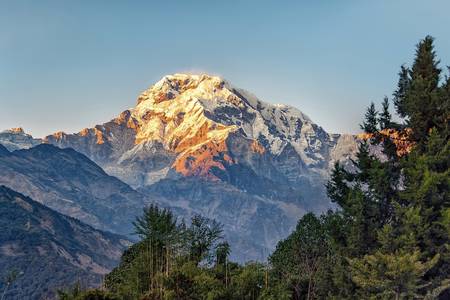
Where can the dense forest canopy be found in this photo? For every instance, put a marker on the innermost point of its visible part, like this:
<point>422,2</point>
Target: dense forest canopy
<point>389,239</point>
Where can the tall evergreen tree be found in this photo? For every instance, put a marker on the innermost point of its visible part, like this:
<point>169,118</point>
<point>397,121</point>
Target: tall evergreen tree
<point>370,124</point>
<point>385,119</point>
<point>403,85</point>
<point>421,104</point>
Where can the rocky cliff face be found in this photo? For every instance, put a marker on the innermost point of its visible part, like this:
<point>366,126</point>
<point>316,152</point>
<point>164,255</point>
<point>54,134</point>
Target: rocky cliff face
<point>49,250</point>
<point>200,145</point>
<point>16,138</point>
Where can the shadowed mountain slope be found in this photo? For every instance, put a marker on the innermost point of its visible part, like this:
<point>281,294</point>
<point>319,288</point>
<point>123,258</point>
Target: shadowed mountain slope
<point>72,184</point>
<point>50,250</point>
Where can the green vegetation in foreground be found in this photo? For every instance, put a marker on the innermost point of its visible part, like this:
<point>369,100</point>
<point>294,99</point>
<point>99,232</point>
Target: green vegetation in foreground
<point>388,240</point>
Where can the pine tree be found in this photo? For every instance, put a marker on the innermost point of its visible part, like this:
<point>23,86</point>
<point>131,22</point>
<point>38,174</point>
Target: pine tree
<point>370,124</point>
<point>365,196</point>
<point>421,104</point>
<point>337,187</point>
<point>385,119</point>
<point>403,85</point>
<point>427,188</point>
<point>390,276</point>
<point>424,198</point>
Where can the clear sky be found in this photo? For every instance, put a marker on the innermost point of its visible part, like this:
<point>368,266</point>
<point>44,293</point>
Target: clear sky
<point>66,65</point>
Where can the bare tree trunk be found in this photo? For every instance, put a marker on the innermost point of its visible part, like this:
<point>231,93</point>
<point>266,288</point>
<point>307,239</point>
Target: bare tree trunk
<point>309,287</point>
<point>226,272</point>
<point>167,262</point>
<point>267,277</point>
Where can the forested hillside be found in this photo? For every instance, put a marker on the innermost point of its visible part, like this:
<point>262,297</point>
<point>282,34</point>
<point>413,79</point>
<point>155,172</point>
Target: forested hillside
<point>390,237</point>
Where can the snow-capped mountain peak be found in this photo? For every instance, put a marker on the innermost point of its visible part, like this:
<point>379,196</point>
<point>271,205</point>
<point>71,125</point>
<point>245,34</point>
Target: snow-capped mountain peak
<point>17,138</point>
<point>184,105</point>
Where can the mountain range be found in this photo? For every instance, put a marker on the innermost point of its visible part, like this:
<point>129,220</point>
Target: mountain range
<point>196,144</point>
<point>70,183</point>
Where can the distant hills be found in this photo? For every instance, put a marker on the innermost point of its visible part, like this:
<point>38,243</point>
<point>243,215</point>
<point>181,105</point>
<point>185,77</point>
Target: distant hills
<point>49,250</point>
<point>70,183</point>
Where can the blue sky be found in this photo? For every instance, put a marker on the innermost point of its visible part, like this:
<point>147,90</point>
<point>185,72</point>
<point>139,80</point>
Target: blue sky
<point>66,65</point>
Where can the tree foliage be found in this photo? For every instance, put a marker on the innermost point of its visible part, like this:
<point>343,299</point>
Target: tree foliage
<point>390,236</point>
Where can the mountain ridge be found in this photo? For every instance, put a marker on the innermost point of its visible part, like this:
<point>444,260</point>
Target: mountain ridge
<point>192,135</point>
<point>70,183</point>
<point>50,250</point>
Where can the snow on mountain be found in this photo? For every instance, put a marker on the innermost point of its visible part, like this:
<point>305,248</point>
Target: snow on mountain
<point>16,138</point>
<point>198,144</point>
<point>191,117</point>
